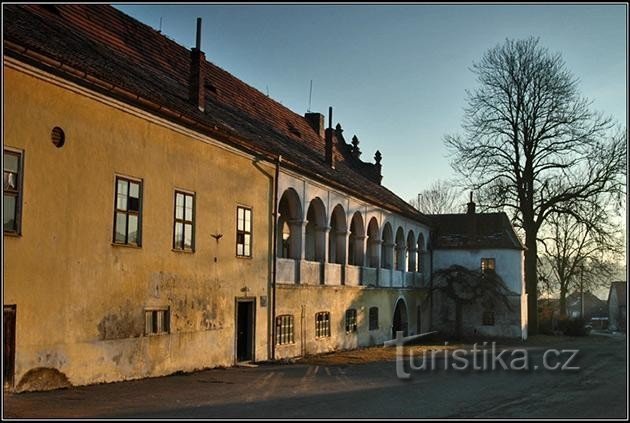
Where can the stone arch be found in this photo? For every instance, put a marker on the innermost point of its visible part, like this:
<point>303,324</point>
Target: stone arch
<point>420,254</point>
<point>374,241</point>
<point>400,319</point>
<point>356,253</point>
<point>337,236</point>
<point>315,245</point>
<point>387,247</point>
<point>401,248</point>
<point>411,252</point>
<point>289,228</point>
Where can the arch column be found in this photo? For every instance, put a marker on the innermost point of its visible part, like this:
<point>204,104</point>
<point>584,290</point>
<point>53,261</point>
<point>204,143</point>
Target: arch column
<point>298,245</point>
<point>324,251</point>
<point>412,260</point>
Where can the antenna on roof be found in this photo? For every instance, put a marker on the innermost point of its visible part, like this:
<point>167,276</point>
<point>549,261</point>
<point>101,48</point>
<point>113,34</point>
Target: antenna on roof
<point>310,95</point>
<point>198,38</point>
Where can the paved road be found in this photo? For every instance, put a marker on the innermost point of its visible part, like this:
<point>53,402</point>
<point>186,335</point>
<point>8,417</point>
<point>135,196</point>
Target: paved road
<point>598,389</point>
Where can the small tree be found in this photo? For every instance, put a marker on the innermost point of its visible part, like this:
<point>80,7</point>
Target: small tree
<point>441,197</point>
<point>466,287</point>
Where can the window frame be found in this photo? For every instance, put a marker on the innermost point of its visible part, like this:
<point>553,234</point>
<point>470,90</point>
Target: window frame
<point>371,318</point>
<point>244,231</point>
<point>487,316</point>
<point>19,192</point>
<point>155,329</point>
<point>140,183</point>
<point>485,261</point>
<point>184,222</point>
<point>284,321</point>
<point>351,320</point>
<point>322,327</point>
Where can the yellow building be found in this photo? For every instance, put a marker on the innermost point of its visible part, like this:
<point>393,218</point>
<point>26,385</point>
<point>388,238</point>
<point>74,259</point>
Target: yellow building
<point>161,215</point>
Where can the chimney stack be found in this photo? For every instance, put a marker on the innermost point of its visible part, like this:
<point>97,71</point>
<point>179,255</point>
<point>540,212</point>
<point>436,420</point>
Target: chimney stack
<point>471,205</point>
<point>197,77</point>
<point>330,158</point>
<point>317,121</point>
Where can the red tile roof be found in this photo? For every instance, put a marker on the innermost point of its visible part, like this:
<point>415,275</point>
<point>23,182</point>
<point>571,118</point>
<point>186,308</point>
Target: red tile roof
<point>99,47</point>
<point>474,231</point>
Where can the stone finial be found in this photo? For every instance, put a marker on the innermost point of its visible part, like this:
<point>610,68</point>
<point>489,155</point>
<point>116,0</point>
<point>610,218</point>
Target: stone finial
<point>378,157</point>
<point>356,152</point>
<point>338,128</point>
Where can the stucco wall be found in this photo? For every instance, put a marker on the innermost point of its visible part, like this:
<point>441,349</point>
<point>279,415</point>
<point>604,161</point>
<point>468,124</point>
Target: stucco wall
<point>80,300</point>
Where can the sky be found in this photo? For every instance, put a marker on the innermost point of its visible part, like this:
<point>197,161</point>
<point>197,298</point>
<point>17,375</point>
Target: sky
<point>396,75</point>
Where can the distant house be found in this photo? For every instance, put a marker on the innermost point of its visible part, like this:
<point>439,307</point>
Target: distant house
<point>593,306</point>
<point>617,306</point>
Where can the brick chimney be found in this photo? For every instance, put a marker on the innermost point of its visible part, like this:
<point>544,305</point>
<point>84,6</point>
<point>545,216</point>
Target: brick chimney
<point>317,121</point>
<point>197,77</point>
<point>330,157</point>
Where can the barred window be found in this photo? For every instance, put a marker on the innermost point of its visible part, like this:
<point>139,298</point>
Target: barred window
<point>322,324</point>
<point>128,214</point>
<point>488,318</point>
<point>12,191</point>
<point>184,226</point>
<point>351,320</point>
<point>157,321</point>
<point>243,232</point>
<point>487,265</point>
<point>284,329</point>
<point>373,318</point>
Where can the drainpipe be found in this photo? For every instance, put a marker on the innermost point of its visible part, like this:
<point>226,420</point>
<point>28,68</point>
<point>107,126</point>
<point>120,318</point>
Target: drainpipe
<point>275,259</point>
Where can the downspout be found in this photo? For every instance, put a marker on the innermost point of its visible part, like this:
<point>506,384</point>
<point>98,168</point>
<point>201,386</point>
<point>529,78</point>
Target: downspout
<point>275,258</point>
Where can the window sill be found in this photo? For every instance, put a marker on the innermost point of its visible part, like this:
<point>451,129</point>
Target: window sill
<point>175,250</point>
<point>13,234</point>
<point>244,257</point>
<point>135,247</point>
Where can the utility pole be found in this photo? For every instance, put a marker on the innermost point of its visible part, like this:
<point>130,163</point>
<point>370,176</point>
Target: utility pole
<point>582,292</point>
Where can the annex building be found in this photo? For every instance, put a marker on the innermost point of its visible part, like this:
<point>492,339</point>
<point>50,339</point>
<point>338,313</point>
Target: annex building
<point>160,215</point>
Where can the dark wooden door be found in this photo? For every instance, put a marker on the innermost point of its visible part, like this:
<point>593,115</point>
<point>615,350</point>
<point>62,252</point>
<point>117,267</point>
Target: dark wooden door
<point>9,344</point>
<point>244,331</point>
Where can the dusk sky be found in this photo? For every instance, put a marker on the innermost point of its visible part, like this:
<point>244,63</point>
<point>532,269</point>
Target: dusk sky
<point>396,75</point>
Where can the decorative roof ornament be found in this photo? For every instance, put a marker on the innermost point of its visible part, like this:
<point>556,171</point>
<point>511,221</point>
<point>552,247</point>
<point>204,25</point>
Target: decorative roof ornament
<point>356,152</point>
<point>378,157</point>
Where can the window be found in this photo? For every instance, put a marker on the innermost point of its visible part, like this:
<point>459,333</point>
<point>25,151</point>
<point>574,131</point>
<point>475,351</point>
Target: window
<point>373,318</point>
<point>128,215</point>
<point>351,320</point>
<point>184,227</point>
<point>487,265</point>
<point>243,232</point>
<point>157,321</point>
<point>12,191</point>
<point>322,324</point>
<point>284,329</point>
<point>488,318</point>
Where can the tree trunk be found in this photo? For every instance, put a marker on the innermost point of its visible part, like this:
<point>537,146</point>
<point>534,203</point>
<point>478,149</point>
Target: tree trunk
<point>563,302</point>
<point>531,281</point>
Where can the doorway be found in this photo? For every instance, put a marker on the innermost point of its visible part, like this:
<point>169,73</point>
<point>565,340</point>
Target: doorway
<point>9,345</point>
<point>245,324</point>
<point>400,319</point>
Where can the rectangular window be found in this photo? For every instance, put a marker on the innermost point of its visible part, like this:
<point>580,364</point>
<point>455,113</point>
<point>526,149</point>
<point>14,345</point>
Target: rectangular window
<point>351,320</point>
<point>157,321</point>
<point>488,318</point>
<point>284,329</point>
<point>373,318</point>
<point>12,191</point>
<point>243,232</point>
<point>487,265</point>
<point>322,324</point>
<point>128,214</point>
<point>184,226</point>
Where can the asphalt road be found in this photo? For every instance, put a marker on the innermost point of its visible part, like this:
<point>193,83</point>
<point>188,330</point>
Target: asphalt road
<point>371,390</point>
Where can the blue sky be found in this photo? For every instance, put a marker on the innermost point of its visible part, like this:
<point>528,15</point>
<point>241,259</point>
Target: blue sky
<point>396,75</point>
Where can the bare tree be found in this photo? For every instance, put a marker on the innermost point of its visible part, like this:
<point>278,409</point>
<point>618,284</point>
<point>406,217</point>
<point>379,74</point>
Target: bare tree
<point>466,287</point>
<point>441,197</point>
<point>580,254</point>
<point>532,146</point>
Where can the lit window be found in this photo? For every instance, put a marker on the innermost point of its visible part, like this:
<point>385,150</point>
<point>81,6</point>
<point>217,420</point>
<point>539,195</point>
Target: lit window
<point>128,215</point>
<point>12,191</point>
<point>487,265</point>
<point>243,232</point>
<point>157,321</point>
<point>284,329</point>
<point>184,227</point>
<point>322,324</point>
<point>351,320</point>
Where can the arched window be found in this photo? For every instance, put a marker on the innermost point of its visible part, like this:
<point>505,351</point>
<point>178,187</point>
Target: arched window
<point>337,236</point>
<point>411,252</point>
<point>399,258</point>
<point>374,241</point>
<point>420,253</point>
<point>289,237</point>
<point>315,231</point>
<point>357,236</point>
<point>387,247</point>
